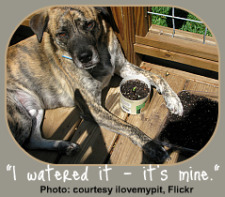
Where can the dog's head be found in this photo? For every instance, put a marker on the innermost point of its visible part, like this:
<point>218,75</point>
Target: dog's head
<point>75,30</point>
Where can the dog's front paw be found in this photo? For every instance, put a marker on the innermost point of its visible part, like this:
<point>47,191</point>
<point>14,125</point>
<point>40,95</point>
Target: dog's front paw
<point>155,152</point>
<point>68,148</point>
<point>174,104</point>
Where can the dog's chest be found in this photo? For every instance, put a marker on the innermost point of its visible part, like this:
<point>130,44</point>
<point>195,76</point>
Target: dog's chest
<point>103,73</point>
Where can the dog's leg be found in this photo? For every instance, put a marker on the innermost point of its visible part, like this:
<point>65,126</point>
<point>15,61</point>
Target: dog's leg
<point>124,68</point>
<point>91,94</point>
<point>37,142</point>
<point>32,107</point>
<point>173,102</point>
<point>111,122</point>
<point>80,102</point>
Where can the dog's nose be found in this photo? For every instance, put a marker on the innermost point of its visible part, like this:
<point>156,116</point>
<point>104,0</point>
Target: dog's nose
<point>85,56</point>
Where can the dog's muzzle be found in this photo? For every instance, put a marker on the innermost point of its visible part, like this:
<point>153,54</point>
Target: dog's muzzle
<point>86,58</point>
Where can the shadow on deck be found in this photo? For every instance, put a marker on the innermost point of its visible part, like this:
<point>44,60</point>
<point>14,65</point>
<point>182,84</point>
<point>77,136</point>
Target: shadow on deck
<point>100,146</point>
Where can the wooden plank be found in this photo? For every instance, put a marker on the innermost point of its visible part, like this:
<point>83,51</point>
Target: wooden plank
<point>179,45</point>
<point>123,17</point>
<point>58,124</point>
<point>141,21</point>
<point>156,29</point>
<point>26,22</point>
<point>149,121</point>
<point>190,76</point>
<point>176,57</point>
<point>174,156</point>
<point>96,142</point>
<point>130,21</point>
<point>203,89</point>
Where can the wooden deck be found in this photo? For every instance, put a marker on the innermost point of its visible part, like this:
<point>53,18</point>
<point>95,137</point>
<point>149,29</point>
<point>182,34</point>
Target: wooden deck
<point>100,146</point>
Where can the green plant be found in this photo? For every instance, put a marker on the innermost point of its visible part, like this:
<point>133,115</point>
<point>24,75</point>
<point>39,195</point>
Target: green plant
<point>179,24</point>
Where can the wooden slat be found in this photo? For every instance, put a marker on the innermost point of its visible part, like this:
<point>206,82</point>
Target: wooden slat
<point>26,22</point>
<point>166,31</point>
<point>177,57</point>
<point>179,45</point>
<point>203,89</point>
<point>60,123</point>
<point>190,76</point>
<point>123,17</point>
<point>141,21</point>
<point>130,21</point>
<point>96,142</point>
<point>174,156</point>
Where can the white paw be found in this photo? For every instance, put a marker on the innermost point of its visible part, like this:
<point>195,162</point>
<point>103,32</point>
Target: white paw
<point>174,104</point>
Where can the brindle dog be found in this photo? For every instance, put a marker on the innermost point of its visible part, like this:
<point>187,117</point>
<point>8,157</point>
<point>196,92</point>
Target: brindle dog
<point>40,78</point>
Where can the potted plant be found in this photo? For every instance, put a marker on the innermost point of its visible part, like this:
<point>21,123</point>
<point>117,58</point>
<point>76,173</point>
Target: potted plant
<point>134,92</point>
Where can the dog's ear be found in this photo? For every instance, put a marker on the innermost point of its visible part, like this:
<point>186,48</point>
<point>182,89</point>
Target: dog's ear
<point>106,13</point>
<point>38,24</point>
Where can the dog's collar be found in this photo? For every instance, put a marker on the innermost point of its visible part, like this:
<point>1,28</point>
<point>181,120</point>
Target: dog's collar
<point>70,58</point>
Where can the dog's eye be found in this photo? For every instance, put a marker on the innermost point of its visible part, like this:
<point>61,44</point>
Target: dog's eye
<point>62,34</point>
<point>89,25</point>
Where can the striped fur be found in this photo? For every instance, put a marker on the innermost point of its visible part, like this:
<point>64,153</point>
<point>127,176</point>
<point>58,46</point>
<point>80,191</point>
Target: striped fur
<point>39,78</point>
